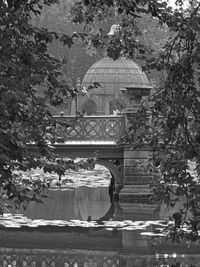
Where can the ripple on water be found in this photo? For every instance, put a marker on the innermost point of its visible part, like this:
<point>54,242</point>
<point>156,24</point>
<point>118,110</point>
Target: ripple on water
<point>19,221</point>
<point>100,176</point>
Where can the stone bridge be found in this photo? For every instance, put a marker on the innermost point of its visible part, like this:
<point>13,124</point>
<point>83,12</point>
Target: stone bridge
<point>93,136</point>
<point>99,136</point>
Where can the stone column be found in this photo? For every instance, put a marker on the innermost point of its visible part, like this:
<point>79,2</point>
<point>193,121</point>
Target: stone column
<point>73,107</point>
<point>135,196</point>
<point>106,106</point>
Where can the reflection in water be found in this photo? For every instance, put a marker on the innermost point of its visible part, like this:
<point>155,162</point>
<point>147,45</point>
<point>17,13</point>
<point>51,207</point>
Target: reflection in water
<point>73,204</point>
<point>119,242</point>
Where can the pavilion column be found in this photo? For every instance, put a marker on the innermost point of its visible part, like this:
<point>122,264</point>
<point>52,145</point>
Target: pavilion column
<point>106,106</point>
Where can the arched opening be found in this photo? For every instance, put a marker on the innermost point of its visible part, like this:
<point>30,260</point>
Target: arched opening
<point>83,195</point>
<point>116,105</point>
<point>89,107</point>
<point>115,169</point>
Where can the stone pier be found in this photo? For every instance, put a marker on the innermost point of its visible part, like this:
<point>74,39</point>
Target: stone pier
<point>136,195</point>
<point>136,176</point>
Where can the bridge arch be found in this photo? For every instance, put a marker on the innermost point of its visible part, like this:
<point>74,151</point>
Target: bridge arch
<point>114,170</point>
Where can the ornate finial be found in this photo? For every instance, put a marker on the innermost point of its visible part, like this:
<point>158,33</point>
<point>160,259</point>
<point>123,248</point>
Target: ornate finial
<point>115,27</point>
<point>78,85</point>
<point>81,89</point>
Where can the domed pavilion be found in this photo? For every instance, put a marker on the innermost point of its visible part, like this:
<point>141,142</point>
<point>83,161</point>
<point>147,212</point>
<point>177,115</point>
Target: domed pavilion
<point>113,75</point>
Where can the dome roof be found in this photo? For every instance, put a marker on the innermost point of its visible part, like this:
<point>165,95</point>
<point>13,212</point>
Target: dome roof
<point>115,74</point>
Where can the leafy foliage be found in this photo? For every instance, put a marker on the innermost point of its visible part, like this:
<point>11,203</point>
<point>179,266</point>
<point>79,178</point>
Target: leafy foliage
<point>26,66</point>
<point>130,15</point>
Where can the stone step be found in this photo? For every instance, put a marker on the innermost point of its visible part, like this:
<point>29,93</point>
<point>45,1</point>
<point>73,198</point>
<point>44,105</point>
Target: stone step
<point>143,180</point>
<point>137,189</point>
<point>140,211</point>
<point>139,208</point>
<point>136,194</point>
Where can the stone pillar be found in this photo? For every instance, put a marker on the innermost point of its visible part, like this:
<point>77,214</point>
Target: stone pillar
<point>73,107</point>
<point>135,196</point>
<point>136,178</point>
<point>106,106</point>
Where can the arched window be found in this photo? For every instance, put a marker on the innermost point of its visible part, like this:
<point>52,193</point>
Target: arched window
<point>89,107</point>
<point>116,105</point>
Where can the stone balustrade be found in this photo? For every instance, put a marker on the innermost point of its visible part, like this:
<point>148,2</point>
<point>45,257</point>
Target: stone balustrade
<point>52,258</point>
<point>91,128</point>
<point>85,258</point>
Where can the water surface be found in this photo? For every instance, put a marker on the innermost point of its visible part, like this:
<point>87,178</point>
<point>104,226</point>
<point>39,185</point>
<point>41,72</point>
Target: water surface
<point>78,226</point>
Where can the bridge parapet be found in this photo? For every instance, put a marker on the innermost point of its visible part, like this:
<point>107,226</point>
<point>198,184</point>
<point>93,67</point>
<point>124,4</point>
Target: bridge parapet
<point>91,128</point>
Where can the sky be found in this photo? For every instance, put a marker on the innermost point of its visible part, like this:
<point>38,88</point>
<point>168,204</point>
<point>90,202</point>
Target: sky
<point>172,2</point>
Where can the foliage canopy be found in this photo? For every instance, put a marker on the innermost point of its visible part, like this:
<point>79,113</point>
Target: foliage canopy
<point>25,66</point>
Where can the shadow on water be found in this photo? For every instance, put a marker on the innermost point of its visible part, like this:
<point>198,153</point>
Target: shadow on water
<point>82,226</point>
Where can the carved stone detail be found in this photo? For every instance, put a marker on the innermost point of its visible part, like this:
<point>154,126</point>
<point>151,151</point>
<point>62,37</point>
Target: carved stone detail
<point>91,128</point>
